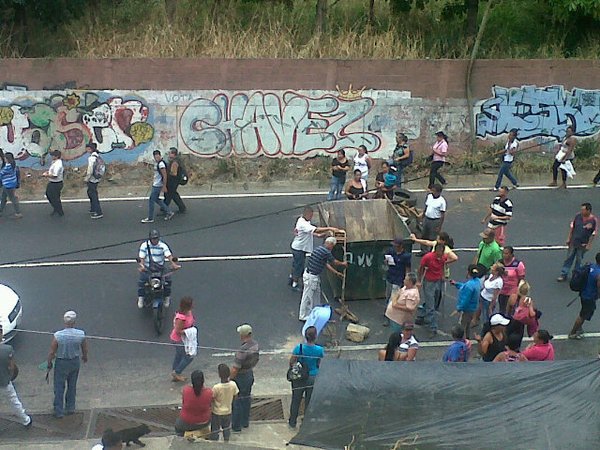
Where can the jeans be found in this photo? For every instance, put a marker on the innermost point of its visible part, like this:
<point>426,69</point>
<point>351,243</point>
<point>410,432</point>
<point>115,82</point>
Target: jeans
<point>431,290</point>
<point>240,415</point>
<point>12,195</point>
<point>172,194</point>
<point>431,228</point>
<point>181,427</point>
<point>485,310</point>
<point>218,423</point>
<point>505,170</point>
<point>298,261</point>
<point>433,173</point>
<point>465,322</point>
<point>143,278</point>
<point>336,189</point>
<point>53,195</point>
<point>573,253</point>
<point>181,360</point>
<point>92,192</point>
<point>66,371</point>
<point>10,394</point>
<point>300,388</point>
<point>155,198</point>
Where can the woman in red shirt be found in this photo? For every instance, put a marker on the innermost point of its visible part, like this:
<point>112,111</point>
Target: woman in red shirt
<point>196,403</point>
<point>183,319</point>
<point>541,349</point>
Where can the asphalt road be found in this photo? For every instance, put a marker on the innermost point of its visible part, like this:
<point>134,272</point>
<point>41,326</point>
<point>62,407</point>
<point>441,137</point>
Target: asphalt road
<point>228,293</point>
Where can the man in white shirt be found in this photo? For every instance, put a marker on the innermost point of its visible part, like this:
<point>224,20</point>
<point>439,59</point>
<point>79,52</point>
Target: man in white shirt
<point>433,216</point>
<point>303,244</point>
<point>159,186</point>
<point>511,147</point>
<point>55,183</point>
<point>92,182</point>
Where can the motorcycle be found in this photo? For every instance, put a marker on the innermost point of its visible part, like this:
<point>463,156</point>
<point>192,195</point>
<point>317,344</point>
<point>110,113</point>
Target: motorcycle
<point>154,293</point>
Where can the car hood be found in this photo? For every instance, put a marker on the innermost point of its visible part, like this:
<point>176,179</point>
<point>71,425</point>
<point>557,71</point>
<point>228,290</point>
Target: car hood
<point>8,300</point>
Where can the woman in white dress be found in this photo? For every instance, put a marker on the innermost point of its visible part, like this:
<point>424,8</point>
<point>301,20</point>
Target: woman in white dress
<point>362,162</point>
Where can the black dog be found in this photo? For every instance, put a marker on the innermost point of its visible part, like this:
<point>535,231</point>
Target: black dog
<point>134,434</point>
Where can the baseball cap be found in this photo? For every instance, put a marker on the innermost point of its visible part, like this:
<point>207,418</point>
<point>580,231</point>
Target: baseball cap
<point>244,329</point>
<point>488,233</point>
<point>70,316</point>
<point>499,319</point>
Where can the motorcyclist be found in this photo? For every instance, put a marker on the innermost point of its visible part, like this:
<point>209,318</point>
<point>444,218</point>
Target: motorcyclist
<point>153,252</point>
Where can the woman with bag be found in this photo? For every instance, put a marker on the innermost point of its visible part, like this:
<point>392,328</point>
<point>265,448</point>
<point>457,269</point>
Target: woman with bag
<point>183,320</point>
<point>10,178</point>
<point>525,310</point>
<point>304,368</point>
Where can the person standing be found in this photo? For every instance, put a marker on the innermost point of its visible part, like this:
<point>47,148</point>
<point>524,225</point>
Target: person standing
<point>9,181</point>
<point>398,263</point>
<point>588,297</point>
<point>92,181</point>
<point>433,216</point>
<point>362,162</point>
<point>55,174</point>
<point>339,168</point>
<point>564,155</point>
<point>242,372</point>
<point>175,172</point>
<point>488,251</point>
<point>514,272</point>
<point>438,158</point>
<point>468,298</point>
<point>403,303</point>
<point>431,272</point>
<point>9,393</point>
<point>159,186</point>
<point>490,292</point>
<point>223,395</point>
<point>320,258</point>
<point>510,148</point>
<point>581,235</point>
<point>184,319</point>
<point>401,157</point>
<point>309,354</point>
<point>303,243</point>
<point>69,347</point>
<point>498,215</point>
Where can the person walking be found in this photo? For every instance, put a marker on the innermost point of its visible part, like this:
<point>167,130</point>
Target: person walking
<point>514,272</point>
<point>242,372</point>
<point>175,173</point>
<point>433,216</point>
<point>69,347</point>
<point>564,157</point>
<point>588,297</point>
<point>398,263</point>
<point>309,354</point>
<point>438,158</point>
<point>431,272</point>
<point>581,235</point>
<point>304,231</point>
<point>468,298</point>
<point>510,149</point>
<point>403,303</point>
<point>223,395</point>
<point>92,181</point>
<point>183,320</point>
<point>362,162</point>
<point>488,251</point>
<point>8,367</point>
<point>320,259</point>
<point>499,213</point>
<point>339,168</point>
<point>10,180</point>
<point>159,186</point>
<point>55,175</point>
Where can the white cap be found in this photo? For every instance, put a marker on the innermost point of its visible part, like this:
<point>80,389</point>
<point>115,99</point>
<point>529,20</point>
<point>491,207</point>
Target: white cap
<point>70,316</point>
<point>499,319</point>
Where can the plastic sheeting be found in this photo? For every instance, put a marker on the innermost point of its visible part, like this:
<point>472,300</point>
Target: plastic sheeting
<point>433,405</point>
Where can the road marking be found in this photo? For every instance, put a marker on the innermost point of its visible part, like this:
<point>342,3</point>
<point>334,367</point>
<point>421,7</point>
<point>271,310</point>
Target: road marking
<point>286,194</point>
<point>99,262</point>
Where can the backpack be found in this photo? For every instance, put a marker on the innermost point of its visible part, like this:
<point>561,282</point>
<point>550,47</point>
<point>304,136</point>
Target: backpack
<point>99,168</point>
<point>580,277</point>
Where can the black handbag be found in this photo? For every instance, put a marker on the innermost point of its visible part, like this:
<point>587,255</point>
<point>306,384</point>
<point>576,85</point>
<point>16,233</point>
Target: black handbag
<point>297,371</point>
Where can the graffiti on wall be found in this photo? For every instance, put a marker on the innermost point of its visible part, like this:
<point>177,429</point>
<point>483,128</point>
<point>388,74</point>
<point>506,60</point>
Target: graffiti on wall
<point>67,122</point>
<point>539,111</point>
<point>277,124</point>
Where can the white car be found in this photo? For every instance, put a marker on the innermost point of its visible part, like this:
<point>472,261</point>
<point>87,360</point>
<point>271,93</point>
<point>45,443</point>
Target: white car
<point>11,312</point>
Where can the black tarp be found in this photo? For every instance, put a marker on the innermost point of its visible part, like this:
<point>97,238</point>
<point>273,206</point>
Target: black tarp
<point>431,405</point>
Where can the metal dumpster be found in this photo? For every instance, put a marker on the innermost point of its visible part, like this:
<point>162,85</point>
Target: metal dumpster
<point>370,227</point>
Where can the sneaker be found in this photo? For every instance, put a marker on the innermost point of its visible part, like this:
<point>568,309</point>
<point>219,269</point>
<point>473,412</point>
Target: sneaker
<point>576,336</point>
<point>140,302</point>
<point>494,189</point>
<point>561,278</point>
<point>167,302</point>
<point>29,424</point>
<point>97,216</point>
<point>169,215</point>
<point>147,220</point>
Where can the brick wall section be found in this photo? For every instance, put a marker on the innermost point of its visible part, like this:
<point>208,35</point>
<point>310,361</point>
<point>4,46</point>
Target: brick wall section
<point>423,78</point>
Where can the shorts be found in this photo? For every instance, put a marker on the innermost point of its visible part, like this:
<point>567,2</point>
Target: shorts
<point>587,309</point>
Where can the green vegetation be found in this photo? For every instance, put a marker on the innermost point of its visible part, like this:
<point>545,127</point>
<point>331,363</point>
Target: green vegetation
<point>383,29</point>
